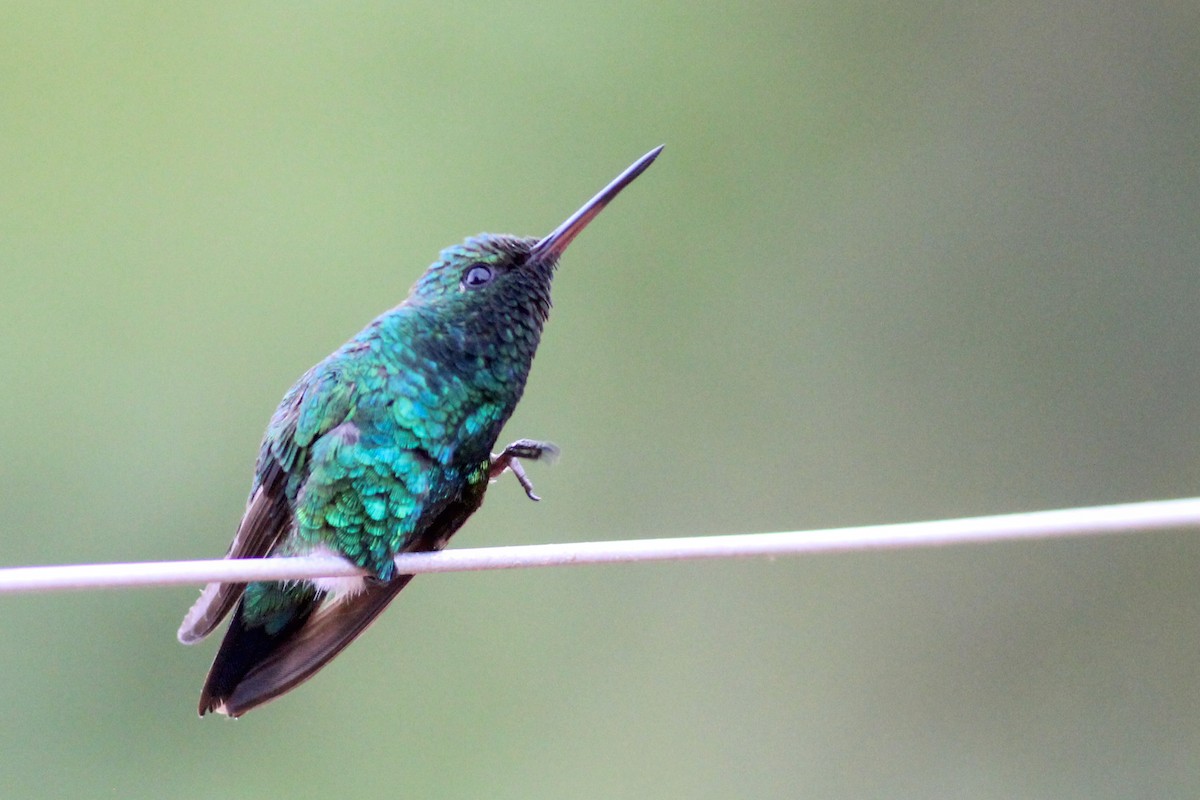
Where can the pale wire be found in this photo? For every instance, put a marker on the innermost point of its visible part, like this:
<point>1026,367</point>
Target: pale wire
<point>1127,518</point>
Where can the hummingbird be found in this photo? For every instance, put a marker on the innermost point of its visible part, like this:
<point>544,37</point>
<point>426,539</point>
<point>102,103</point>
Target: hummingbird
<point>385,447</point>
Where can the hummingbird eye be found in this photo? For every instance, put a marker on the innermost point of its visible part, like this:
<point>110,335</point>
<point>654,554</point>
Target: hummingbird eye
<point>477,275</point>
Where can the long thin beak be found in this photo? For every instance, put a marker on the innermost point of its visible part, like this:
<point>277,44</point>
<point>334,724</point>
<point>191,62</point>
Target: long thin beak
<point>553,245</point>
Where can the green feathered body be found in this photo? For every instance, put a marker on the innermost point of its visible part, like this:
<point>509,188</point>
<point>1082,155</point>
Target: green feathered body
<point>380,437</point>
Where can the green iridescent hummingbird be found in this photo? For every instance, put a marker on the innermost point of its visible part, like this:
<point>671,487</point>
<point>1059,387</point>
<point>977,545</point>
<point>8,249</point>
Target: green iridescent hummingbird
<point>384,447</point>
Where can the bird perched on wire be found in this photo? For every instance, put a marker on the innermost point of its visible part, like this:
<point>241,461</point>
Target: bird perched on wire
<point>384,448</point>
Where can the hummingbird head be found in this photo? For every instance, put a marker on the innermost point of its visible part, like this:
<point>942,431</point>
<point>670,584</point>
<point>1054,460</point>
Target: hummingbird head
<point>483,302</point>
<point>487,273</point>
<point>491,277</point>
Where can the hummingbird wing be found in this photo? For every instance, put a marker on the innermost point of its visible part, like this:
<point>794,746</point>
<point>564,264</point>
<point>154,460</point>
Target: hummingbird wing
<point>318,402</point>
<point>282,634</point>
<point>267,518</point>
<point>371,488</point>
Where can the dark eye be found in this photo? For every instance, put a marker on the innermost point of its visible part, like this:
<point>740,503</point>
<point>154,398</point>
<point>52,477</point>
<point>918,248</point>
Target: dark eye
<point>478,275</point>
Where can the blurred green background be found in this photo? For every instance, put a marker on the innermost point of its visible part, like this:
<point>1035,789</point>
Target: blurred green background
<point>897,262</point>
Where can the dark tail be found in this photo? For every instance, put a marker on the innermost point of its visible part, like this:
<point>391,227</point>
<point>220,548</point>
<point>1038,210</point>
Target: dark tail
<point>244,648</point>
<point>254,666</point>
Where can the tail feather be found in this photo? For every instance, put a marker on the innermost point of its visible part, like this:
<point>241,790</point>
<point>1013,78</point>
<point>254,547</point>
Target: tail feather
<point>253,666</point>
<point>242,649</point>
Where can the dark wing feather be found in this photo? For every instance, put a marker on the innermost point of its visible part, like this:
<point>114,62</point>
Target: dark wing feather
<point>314,405</point>
<point>266,521</point>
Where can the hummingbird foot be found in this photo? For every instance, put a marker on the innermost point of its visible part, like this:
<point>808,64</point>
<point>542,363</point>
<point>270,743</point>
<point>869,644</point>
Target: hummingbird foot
<point>527,449</point>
